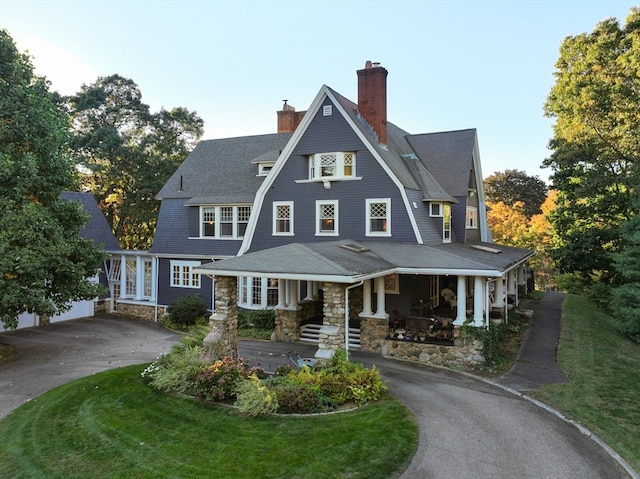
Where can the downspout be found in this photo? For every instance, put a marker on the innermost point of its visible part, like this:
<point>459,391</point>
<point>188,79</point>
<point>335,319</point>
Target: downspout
<point>155,313</point>
<point>346,315</point>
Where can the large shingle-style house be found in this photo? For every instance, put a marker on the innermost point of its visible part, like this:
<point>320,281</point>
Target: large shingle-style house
<point>340,218</point>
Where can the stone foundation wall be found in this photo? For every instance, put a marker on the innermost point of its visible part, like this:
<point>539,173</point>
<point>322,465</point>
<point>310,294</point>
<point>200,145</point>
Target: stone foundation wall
<point>139,311</point>
<point>372,333</point>
<point>287,325</point>
<point>463,352</point>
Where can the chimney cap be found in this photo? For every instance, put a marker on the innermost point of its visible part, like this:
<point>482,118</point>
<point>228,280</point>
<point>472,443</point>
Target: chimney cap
<point>369,64</point>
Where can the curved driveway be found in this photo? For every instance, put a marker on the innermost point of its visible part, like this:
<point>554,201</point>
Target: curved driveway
<point>469,428</point>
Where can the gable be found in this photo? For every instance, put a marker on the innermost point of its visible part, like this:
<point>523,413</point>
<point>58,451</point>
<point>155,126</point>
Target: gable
<point>97,228</point>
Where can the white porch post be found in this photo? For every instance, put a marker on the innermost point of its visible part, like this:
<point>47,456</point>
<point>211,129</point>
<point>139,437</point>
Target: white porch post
<point>366,298</point>
<point>479,294</point>
<point>294,294</point>
<point>380,307</point>
<point>498,300</point>
<point>139,278</point>
<point>123,276</point>
<point>282,293</point>
<point>461,306</point>
<point>309,295</point>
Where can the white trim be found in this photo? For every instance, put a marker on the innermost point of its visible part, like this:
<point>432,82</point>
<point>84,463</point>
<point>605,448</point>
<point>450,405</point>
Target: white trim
<point>217,221</point>
<point>274,215</point>
<point>191,266</point>
<point>439,205</point>
<point>336,221</point>
<point>368,203</point>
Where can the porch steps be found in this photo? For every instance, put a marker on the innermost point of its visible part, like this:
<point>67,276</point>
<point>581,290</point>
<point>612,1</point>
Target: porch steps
<point>310,333</point>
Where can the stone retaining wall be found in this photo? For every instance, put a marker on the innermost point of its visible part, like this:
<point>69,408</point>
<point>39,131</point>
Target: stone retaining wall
<point>463,352</point>
<point>139,311</point>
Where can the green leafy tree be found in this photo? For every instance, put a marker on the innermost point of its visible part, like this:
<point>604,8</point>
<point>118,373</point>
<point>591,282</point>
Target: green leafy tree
<point>596,144</point>
<point>128,153</point>
<point>626,297</point>
<point>513,186</point>
<point>44,262</point>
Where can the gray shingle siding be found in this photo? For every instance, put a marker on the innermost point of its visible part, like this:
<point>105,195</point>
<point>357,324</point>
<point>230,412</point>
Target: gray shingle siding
<point>328,134</point>
<point>167,293</point>
<point>179,232</point>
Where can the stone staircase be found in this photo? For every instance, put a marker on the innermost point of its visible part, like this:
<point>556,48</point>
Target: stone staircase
<point>310,333</point>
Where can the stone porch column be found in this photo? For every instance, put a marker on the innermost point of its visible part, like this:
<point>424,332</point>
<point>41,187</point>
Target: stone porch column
<point>332,331</point>
<point>222,340</point>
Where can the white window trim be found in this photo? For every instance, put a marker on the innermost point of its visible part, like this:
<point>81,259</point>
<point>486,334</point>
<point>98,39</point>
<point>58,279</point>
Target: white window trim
<point>247,283</point>
<point>184,264</point>
<point>218,216</point>
<point>440,205</point>
<point>315,173</point>
<point>368,203</point>
<point>446,239</point>
<point>472,218</point>
<point>274,230</point>
<point>336,223</point>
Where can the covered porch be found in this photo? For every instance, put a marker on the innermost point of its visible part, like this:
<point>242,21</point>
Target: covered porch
<point>346,286</point>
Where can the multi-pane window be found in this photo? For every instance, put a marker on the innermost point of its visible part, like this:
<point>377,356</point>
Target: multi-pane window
<point>378,217</point>
<point>243,220</point>
<point>256,293</point>
<point>272,291</point>
<point>131,272</point>
<point>208,221</point>
<point>327,217</point>
<point>147,265</point>
<point>182,275</point>
<point>332,165</point>
<point>472,217</point>
<point>224,221</point>
<point>283,218</point>
<point>446,224</point>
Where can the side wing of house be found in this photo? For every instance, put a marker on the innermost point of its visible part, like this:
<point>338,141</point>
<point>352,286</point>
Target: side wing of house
<point>205,209</point>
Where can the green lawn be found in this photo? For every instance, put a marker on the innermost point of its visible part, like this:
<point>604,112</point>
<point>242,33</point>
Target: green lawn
<point>603,367</point>
<point>111,425</point>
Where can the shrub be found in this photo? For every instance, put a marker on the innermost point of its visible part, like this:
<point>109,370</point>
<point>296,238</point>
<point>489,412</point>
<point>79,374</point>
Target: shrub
<point>254,398</point>
<point>187,311</point>
<point>219,381</point>
<point>264,319</point>
<point>177,370</point>
<point>301,399</point>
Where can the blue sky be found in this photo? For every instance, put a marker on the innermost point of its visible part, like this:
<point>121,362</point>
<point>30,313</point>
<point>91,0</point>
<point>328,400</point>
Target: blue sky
<point>452,64</point>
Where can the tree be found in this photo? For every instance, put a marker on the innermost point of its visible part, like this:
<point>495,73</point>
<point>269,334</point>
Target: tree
<point>128,153</point>
<point>515,185</point>
<point>44,262</point>
<point>626,297</point>
<point>596,144</point>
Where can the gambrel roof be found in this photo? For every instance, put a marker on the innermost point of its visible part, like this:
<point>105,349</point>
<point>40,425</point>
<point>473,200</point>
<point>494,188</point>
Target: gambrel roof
<point>97,228</point>
<point>223,171</point>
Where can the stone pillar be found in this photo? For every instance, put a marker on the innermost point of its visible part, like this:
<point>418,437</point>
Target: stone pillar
<point>332,331</point>
<point>461,300</point>
<point>222,340</point>
<point>373,332</point>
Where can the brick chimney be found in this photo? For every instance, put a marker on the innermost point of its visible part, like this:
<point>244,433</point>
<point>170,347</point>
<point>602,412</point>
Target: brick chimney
<point>372,98</point>
<point>288,118</point>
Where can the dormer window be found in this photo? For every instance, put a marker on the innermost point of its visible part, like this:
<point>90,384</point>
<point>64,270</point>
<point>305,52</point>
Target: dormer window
<point>435,209</point>
<point>335,165</point>
<point>264,168</point>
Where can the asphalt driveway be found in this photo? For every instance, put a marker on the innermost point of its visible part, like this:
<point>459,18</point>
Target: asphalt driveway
<point>469,428</point>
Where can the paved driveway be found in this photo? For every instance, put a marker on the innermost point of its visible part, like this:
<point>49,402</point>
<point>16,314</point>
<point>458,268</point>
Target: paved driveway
<point>468,428</point>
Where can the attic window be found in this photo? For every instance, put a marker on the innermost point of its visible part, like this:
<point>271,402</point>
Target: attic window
<point>327,110</point>
<point>264,168</point>
<point>332,166</point>
<point>356,248</point>
<point>488,249</point>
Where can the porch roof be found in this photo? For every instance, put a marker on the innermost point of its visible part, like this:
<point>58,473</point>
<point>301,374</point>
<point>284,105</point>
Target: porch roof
<point>348,261</point>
